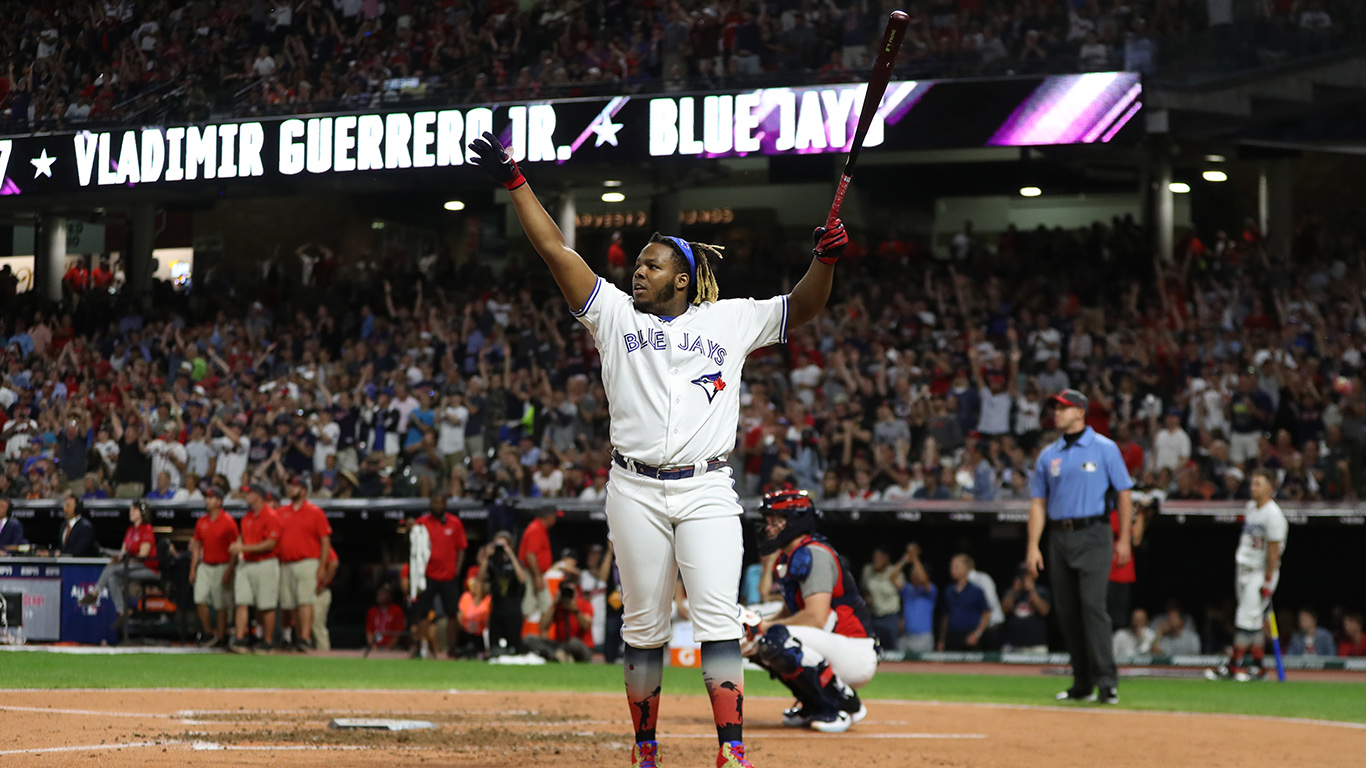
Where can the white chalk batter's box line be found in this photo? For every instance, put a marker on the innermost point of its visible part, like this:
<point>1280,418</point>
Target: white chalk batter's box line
<point>193,713</point>
<point>368,711</point>
<point>1110,710</point>
<point>766,736</point>
<point>91,712</point>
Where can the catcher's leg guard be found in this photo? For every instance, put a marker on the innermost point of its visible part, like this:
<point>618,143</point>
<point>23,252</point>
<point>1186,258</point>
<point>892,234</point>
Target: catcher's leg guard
<point>836,690</point>
<point>781,654</point>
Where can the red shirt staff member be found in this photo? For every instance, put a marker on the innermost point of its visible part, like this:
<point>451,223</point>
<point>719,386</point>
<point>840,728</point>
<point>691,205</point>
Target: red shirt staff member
<point>536,555</point>
<point>305,535</point>
<point>322,639</point>
<point>211,565</point>
<point>140,548</point>
<point>257,584</point>
<point>446,535</point>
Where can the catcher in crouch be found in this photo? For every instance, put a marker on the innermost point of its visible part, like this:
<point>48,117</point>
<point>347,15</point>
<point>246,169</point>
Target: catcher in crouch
<point>821,644</point>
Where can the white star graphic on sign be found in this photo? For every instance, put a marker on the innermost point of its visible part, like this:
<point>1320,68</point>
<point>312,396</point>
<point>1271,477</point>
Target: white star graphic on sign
<point>42,165</point>
<point>606,131</point>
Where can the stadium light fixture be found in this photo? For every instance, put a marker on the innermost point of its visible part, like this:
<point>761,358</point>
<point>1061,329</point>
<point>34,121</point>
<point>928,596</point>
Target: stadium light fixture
<point>613,197</point>
<point>1214,158</point>
<point>1030,191</point>
<point>1215,176</point>
<point>1180,187</point>
<point>612,183</point>
<point>454,205</point>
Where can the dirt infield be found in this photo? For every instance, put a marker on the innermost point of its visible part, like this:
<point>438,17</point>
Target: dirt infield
<point>146,728</point>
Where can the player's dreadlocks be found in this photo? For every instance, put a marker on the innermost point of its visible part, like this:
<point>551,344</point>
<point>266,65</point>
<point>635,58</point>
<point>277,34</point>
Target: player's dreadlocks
<point>703,287</point>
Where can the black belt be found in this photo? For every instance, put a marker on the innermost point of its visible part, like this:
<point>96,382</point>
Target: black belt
<point>662,473</point>
<point>1078,523</point>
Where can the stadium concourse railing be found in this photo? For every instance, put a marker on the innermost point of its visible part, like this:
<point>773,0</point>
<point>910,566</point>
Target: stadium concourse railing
<point>834,511</point>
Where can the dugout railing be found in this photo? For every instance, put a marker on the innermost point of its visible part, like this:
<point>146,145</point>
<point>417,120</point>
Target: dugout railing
<point>1187,554</point>
<point>840,512</point>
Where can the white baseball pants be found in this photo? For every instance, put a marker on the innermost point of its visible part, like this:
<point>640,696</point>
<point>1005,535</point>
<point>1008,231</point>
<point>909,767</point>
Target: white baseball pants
<point>853,659</point>
<point>660,528</point>
<point>1251,606</point>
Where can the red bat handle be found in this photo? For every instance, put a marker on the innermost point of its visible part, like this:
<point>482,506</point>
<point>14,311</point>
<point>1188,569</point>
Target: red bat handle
<point>839,200</point>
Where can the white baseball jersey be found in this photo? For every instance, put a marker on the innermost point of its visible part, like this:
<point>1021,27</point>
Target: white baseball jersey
<point>673,387</point>
<point>1260,525</point>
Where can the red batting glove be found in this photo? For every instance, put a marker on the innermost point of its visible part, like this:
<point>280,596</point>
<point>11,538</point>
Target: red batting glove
<point>830,242</point>
<point>1266,591</point>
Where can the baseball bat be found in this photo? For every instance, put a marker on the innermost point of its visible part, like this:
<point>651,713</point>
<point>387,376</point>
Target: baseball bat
<point>872,99</point>
<point>1276,641</point>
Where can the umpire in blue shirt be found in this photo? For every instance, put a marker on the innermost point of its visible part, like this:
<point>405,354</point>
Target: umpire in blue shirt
<point>1071,485</point>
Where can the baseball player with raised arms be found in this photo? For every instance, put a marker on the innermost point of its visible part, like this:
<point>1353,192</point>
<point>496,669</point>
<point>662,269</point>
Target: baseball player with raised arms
<point>821,644</point>
<point>1258,559</point>
<point>672,355</point>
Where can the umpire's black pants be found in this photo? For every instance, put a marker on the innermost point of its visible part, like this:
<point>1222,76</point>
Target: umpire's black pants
<point>1079,568</point>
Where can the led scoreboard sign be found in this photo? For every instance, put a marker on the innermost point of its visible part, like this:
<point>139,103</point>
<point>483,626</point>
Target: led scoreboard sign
<point>1066,109</point>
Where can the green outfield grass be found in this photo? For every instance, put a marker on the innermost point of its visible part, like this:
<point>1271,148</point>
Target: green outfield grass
<point>1320,700</point>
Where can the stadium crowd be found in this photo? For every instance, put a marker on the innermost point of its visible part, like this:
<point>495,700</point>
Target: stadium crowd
<point>73,64</point>
<point>915,384</point>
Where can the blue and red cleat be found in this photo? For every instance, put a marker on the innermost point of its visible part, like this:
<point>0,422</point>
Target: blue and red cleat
<point>645,754</point>
<point>732,755</point>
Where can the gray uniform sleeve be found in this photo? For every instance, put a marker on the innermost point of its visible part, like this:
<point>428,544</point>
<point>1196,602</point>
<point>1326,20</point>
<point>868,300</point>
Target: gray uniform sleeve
<point>824,573</point>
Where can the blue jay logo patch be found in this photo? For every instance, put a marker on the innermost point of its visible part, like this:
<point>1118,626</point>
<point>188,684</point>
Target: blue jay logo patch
<point>711,383</point>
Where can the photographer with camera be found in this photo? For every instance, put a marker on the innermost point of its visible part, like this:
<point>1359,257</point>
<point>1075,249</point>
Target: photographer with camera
<point>504,580</point>
<point>1026,605</point>
<point>566,630</point>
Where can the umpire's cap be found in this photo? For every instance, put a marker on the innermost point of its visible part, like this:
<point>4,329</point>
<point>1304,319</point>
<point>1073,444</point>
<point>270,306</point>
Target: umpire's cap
<point>1071,398</point>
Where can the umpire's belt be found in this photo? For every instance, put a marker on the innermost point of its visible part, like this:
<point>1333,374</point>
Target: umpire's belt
<point>664,473</point>
<point>1078,523</point>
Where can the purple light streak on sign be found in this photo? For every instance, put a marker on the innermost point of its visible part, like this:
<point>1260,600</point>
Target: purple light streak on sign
<point>1124,120</point>
<point>1119,108</point>
<point>608,112</point>
<point>1065,109</point>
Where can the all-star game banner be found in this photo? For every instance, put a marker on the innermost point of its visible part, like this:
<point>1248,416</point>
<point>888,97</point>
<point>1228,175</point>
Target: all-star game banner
<point>1026,111</point>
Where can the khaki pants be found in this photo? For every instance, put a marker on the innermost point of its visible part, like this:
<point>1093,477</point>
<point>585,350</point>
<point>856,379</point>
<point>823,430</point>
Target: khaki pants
<point>298,583</point>
<point>321,638</point>
<point>258,584</point>
<point>209,588</point>
<point>129,490</point>
<point>535,602</point>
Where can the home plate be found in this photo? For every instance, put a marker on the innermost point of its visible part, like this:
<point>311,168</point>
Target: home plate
<point>380,724</point>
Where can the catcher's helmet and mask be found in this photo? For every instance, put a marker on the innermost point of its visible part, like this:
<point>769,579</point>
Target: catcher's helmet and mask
<point>797,508</point>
